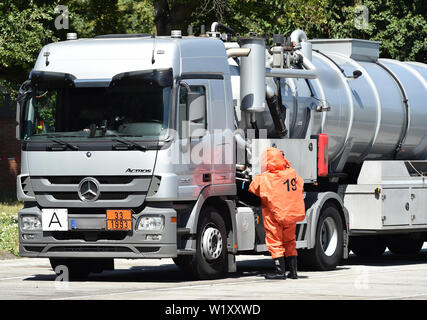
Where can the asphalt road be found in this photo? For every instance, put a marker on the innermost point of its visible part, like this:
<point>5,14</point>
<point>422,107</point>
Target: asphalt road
<point>387,277</point>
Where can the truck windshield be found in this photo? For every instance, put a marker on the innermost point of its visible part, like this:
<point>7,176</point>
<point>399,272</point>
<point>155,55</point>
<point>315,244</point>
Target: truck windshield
<point>140,113</point>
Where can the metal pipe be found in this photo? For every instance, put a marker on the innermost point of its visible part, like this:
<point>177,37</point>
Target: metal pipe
<point>237,52</point>
<point>306,62</point>
<point>291,73</point>
<point>269,92</point>
<point>298,36</point>
<point>252,75</point>
<point>214,26</point>
<point>306,49</point>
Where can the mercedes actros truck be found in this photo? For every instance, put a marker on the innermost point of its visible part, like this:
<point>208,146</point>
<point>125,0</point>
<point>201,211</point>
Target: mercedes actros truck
<point>143,147</point>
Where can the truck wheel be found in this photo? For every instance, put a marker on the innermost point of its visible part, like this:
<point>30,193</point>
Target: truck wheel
<point>405,245</point>
<point>328,249</point>
<point>210,260</point>
<point>367,246</point>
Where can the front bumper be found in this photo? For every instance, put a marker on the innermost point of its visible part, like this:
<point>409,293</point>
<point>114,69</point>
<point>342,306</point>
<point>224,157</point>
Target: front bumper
<point>98,243</point>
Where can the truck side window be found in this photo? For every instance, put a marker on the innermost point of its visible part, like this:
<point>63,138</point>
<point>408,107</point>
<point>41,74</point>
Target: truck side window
<point>182,109</point>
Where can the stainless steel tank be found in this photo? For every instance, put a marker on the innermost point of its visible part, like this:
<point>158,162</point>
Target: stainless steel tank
<point>381,114</point>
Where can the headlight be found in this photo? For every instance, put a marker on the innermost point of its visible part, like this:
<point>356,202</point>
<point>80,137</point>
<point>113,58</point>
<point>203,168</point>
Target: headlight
<point>31,223</point>
<point>151,223</point>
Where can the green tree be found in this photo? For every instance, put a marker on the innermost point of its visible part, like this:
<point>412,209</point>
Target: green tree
<point>25,26</point>
<point>400,25</point>
<point>23,32</point>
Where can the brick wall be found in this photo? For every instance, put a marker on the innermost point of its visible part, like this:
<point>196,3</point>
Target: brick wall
<point>10,155</point>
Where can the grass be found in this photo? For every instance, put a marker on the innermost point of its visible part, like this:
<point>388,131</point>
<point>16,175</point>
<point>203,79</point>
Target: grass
<point>9,208</point>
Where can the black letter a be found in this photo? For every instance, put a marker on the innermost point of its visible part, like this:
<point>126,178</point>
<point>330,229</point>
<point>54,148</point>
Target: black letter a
<point>57,220</point>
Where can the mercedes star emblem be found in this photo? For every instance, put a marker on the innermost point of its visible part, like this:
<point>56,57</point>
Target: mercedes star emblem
<point>88,189</point>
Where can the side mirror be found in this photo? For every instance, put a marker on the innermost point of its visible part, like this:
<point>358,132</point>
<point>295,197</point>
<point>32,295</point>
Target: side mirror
<point>18,120</point>
<point>196,106</point>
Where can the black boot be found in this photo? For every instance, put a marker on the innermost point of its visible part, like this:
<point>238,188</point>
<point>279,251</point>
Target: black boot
<point>293,267</point>
<point>280,270</point>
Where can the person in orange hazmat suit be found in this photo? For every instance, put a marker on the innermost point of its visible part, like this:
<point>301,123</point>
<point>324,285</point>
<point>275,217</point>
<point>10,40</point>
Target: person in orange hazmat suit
<point>281,191</point>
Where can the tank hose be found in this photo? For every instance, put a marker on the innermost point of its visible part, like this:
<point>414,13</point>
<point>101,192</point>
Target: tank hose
<point>404,134</point>
<point>279,124</point>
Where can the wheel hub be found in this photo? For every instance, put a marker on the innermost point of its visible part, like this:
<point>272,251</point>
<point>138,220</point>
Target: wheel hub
<point>211,243</point>
<point>329,236</point>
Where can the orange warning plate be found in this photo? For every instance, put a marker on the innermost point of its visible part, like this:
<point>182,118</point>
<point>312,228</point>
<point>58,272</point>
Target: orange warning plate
<point>119,220</point>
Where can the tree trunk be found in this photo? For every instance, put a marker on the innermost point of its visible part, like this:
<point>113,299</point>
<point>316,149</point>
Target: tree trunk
<point>179,19</point>
<point>162,19</point>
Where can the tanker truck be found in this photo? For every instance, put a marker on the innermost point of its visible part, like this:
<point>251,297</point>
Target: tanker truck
<point>143,147</point>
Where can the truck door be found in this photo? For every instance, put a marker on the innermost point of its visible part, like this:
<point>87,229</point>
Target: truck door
<point>418,205</point>
<point>195,142</point>
<point>220,125</point>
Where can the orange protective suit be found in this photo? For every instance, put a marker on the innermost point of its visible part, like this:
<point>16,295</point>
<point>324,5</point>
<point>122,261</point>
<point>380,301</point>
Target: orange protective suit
<point>281,191</point>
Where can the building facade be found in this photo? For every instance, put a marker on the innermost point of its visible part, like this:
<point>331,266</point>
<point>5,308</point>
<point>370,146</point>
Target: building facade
<point>9,146</point>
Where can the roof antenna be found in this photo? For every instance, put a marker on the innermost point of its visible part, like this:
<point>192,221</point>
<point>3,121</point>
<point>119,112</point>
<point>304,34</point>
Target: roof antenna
<point>154,46</point>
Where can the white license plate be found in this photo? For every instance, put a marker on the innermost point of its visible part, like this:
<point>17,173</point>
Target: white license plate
<point>55,219</point>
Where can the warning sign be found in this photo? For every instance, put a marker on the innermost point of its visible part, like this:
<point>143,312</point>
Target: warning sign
<point>55,219</point>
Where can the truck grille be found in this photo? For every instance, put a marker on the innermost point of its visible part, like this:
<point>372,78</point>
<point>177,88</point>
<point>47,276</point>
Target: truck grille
<point>89,235</point>
<point>114,191</point>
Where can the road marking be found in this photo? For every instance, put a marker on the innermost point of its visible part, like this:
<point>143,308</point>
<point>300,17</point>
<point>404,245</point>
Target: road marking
<point>157,289</point>
<point>12,278</point>
<point>243,281</point>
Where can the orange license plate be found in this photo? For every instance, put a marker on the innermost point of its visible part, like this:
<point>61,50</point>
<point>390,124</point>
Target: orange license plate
<point>119,220</point>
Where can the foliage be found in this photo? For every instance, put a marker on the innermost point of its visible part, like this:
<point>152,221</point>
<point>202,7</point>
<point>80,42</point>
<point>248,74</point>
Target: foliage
<point>9,225</point>
<point>25,26</point>
<point>22,34</point>
<point>400,25</point>
<point>137,16</point>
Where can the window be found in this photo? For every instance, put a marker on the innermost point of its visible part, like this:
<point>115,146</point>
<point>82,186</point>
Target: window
<point>82,113</point>
<point>183,110</point>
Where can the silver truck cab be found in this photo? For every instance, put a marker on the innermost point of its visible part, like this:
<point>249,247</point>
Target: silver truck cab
<point>128,125</point>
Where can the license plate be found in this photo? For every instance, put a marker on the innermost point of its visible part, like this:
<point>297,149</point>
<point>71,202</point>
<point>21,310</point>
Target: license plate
<point>119,220</point>
<point>55,219</point>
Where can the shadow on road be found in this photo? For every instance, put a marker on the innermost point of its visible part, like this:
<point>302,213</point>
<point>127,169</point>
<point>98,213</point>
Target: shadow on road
<point>165,273</point>
<point>171,273</point>
<point>387,259</point>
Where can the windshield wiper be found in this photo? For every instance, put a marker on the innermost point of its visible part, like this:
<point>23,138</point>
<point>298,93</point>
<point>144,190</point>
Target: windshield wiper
<point>65,145</point>
<point>128,144</point>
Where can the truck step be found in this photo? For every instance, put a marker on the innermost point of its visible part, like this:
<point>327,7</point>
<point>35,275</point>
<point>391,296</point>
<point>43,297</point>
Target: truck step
<point>183,230</point>
<point>186,252</point>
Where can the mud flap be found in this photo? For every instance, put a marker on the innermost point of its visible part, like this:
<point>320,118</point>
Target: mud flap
<point>232,267</point>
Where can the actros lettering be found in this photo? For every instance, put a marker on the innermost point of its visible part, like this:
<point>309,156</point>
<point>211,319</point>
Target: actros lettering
<point>130,170</point>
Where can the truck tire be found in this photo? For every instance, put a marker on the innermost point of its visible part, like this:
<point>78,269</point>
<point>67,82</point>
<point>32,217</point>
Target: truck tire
<point>405,245</point>
<point>367,246</point>
<point>210,260</point>
<point>328,249</point>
